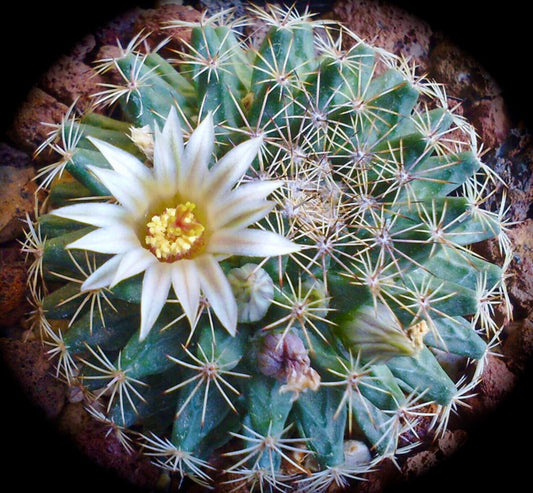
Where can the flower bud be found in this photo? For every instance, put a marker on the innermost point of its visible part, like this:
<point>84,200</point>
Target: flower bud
<point>356,454</point>
<point>316,297</point>
<point>253,289</point>
<point>375,333</point>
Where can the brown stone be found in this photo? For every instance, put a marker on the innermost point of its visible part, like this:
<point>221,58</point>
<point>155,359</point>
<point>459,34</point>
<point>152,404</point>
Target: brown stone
<point>155,22</point>
<point>520,273</point>
<point>12,286</point>
<point>379,479</point>
<point>464,77</point>
<point>497,382</point>
<point>467,80</point>
<point>451,441</point>
<point>10,156</point>
<point>109,52</point>
<point>513,162</point>
<point>71,81</point>
<point>83,48</point>
<point>518,344</point>
<point>32,369</point>
<point>425,460</point>
<point>98,442</point>
<point>16,175</point>
<point>31,124</point>
<point>119,29</point>
<point>17,199</point>
<point>490,117</point>
<point>386,26</point>
<point>420,463</point>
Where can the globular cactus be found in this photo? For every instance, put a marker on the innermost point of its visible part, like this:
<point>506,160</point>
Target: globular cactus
<point>259,268</point>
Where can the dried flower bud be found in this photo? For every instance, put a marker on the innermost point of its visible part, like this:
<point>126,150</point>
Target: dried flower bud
<point>299,380</point>
<point>143,138</point>
<point>279,352</point>
<point>375,333</point>
<point>417,332</point>
<point>285,358</point>
<point>253,289</point>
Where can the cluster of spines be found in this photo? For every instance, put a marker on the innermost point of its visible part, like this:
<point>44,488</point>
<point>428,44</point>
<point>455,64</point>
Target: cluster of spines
<point>383,184</point>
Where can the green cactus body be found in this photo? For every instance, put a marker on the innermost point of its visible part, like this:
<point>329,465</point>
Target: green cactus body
<point>375,193</point>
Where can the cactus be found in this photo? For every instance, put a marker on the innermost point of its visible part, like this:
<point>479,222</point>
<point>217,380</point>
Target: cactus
<point>259,268</point>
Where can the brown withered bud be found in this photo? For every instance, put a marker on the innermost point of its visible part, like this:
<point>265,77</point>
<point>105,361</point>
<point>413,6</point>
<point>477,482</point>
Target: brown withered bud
<point>285,358</point>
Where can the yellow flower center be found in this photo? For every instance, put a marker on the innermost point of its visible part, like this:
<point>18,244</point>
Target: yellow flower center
<point>174,234</point>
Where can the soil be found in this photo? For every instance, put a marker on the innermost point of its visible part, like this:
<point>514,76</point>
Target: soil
<point>37,405</point>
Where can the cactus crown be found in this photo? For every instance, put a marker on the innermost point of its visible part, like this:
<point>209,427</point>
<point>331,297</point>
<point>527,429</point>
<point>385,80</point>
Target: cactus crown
<point>260,267</point>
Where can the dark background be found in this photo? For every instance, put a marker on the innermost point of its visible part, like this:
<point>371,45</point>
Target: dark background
<point>498,455</point>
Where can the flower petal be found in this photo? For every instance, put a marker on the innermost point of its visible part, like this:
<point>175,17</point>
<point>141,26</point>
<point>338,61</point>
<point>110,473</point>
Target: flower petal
<point>97,214</point>
<point>254,190</point>
<point>155,287</point>
<point>168,152</point>
<point>102,276</point>
<point>217,290</point>
<point>121,161</point>
<point>186,285</point>
<point>197,155</point>
<point>244,215</point>
<point>246,197</point>
<point>133,194</point>
<point>232,167</point>
<point>133,262</point>
<point>250,243</point>
<point>115,239</point>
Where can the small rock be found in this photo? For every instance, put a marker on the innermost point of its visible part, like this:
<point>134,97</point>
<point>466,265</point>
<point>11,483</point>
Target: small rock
<point>465,79</point>
<point>513,162</point>
<point>9,156</point>
<point>496,384</point>
<point>490,117</point>
<point>155,22</point>
<point>119,29</point>
<point>380,479</point>
<point>16,175</point>
<point>32,369</point>
<point>109,52</point>
<point>387,26</point>
<point>451,441</point>
<point>520,273</point>
<point>518,345</point>
<point>31,124</point>
<point>70,80</point>
<point>97,441</point>
<point>12,286</point>
<point>419,463</point>
<point>17,199</point>
<point>83,48</point>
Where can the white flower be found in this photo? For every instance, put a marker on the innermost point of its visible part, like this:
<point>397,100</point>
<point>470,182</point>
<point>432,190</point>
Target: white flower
<point>177,220</point>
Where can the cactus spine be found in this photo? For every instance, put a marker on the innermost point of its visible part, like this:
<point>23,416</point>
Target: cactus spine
<point>354,291</point>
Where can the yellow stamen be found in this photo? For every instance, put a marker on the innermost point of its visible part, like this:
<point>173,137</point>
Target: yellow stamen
<point>174,234</point>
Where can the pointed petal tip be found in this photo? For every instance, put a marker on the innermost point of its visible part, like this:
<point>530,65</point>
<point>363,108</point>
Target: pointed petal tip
<point>147,322</point>
<point>231,329</point>
<point>172,120</point>
<point>143,333</point>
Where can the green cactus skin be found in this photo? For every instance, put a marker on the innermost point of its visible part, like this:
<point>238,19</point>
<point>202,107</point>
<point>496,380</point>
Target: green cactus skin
<point>383,186</point>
